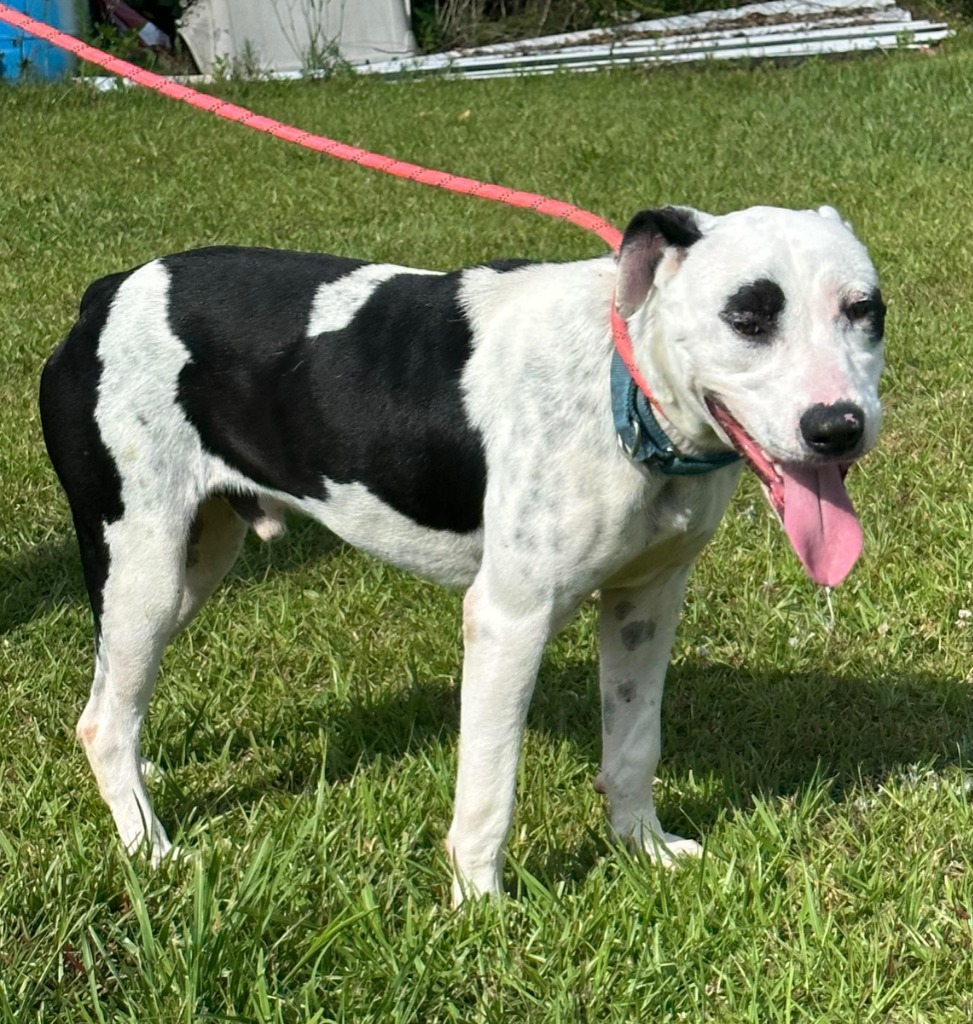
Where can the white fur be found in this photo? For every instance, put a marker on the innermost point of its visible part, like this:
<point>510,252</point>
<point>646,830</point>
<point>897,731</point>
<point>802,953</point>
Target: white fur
<point>337,304</point>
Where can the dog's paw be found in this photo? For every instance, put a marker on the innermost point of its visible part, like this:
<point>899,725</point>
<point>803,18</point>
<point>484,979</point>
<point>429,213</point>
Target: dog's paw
<point>150,771</point>
<point>176,858</point>
<point>475,879</point>
<point>471,890</point>
<point>663,848</point>
<point>672,848</point>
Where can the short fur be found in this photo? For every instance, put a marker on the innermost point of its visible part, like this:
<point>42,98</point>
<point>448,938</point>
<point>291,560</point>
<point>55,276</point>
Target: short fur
<point>458,425</point>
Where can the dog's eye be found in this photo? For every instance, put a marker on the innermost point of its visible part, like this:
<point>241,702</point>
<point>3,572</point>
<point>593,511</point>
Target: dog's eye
<point>859,310</point>
<point>867,313</point>
<point>754,310</point>
<point>748,326</point>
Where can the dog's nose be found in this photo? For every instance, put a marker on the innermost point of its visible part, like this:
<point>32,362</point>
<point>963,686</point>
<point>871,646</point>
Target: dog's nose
<point>833,429</point>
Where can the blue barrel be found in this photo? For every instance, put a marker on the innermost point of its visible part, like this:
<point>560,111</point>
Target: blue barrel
<point>24,57</point>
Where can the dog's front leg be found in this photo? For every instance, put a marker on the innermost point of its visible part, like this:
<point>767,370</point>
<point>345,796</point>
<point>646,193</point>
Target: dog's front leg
<point>504,641</point>
<point>637,628</point>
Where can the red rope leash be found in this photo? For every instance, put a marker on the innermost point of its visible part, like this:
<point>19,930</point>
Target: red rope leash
<point>342,151</point>
<point>375,161</point>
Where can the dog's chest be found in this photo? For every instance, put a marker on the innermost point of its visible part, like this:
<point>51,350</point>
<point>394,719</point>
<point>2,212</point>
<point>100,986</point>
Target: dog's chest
<point>671,530</point>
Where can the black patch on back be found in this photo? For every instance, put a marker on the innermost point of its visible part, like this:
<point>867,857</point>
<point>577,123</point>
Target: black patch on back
<point>101,292</point>
<point>378,402</point>
<point>753,309</point>
<point>68,396</point>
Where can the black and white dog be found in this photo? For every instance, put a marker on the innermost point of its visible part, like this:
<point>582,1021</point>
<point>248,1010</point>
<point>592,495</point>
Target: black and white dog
<point>462,425</point>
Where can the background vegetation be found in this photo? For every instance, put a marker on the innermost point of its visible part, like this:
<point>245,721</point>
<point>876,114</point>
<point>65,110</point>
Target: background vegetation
<point>442,24</point>
<point>306,724</point>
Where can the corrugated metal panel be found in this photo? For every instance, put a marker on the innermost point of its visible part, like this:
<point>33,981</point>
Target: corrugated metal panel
<point>775,30</point>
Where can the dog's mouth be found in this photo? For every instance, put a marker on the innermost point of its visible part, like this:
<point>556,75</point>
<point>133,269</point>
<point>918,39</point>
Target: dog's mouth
<point>810,500</point>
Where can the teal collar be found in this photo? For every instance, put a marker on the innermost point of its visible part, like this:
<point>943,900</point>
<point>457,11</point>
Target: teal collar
<point>641,437</point>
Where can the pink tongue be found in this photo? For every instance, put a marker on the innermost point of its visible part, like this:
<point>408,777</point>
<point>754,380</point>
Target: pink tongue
<point>820,522</point>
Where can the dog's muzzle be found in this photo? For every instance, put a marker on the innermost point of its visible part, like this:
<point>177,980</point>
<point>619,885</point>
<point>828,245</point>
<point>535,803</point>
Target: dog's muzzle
<point>810,498</point>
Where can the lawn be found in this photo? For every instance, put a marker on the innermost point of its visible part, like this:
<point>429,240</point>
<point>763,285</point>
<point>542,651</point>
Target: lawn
<point>306,723</point>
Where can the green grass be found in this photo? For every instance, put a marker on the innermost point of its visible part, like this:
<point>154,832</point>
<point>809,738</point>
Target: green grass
<point>307,722</point>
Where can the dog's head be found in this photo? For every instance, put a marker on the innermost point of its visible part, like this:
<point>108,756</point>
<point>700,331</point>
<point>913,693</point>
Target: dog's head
<point>762,330</point>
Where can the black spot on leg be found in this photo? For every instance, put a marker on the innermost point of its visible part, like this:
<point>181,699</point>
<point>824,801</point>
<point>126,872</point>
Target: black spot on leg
<point>623,609</point>
<point>626,691</point>
<point>637,633</point>
<point>143,420</point>
<point>524,538</point>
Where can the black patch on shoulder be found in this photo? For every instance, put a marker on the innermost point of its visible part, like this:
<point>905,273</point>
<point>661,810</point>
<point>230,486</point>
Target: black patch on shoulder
<point>68,396</point>
<point>754,309</point>
<point>868,312</point>
<point>378,402</point>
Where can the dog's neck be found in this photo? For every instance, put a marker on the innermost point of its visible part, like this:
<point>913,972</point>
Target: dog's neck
<point>642,437</point>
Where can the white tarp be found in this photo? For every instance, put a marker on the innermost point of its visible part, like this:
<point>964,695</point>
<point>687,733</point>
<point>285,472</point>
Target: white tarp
<point>294,35</point>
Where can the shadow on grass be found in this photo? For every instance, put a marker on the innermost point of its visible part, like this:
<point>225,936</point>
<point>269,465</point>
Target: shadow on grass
<point>38,580</point>
<point>751,734</point>
<point>49,576</point>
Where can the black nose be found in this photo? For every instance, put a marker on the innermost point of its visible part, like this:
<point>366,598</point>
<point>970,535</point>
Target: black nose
<point>833,429</point>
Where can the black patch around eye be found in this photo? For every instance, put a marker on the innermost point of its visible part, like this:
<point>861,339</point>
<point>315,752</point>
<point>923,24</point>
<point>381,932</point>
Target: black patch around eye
<point>754,309</point>
<point>868,312</point>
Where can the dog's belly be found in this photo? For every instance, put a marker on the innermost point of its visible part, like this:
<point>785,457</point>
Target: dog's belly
<point>365,521</point>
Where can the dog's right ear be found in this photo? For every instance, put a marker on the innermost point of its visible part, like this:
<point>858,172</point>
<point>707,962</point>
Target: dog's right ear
<point>646,239</point>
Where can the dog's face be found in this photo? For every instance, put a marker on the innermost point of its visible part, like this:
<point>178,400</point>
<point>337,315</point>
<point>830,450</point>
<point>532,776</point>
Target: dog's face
<point>771,321</point>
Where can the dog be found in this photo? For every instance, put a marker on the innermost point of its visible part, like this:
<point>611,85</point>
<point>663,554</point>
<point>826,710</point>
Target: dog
<point>475,427</point>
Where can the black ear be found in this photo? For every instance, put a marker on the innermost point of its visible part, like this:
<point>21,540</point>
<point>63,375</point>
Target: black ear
<point>646,239</point>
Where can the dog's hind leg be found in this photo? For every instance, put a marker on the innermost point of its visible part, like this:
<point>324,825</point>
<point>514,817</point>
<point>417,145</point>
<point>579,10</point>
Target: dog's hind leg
<point>215,539</point>
<point>140,606</point>
<point>133,562</point>
<point>637,628</point>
